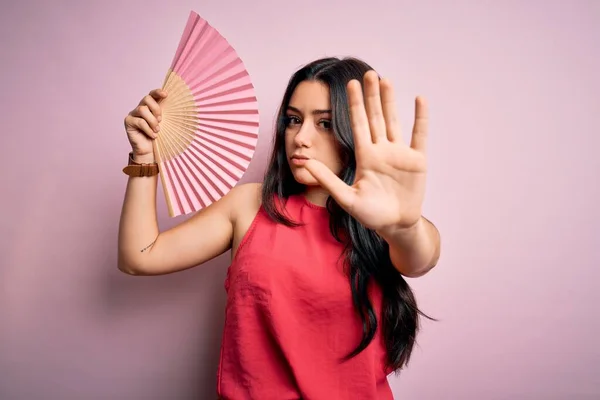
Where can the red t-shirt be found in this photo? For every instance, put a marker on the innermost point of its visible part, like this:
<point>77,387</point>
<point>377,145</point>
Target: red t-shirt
<point>290,319</point>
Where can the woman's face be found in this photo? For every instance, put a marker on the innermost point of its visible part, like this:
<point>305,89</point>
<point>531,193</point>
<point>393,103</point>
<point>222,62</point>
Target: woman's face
<point>309,133</point>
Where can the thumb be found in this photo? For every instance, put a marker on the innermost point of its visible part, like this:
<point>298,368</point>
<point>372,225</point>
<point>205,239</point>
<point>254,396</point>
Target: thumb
<point>343,194</point>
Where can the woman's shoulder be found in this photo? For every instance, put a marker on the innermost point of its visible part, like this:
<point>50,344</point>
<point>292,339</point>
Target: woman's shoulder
<point>246,189</point>
<point>246,200</point>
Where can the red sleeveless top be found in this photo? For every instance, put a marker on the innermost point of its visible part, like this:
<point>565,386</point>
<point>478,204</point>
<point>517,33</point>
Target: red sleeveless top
<point>290,320</point>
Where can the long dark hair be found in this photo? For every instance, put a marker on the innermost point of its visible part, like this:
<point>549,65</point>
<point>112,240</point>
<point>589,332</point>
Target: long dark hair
<point>366,254</point>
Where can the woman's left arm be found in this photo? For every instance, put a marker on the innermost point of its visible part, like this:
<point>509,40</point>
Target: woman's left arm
<point>416,250</point>
<point>389,187</point>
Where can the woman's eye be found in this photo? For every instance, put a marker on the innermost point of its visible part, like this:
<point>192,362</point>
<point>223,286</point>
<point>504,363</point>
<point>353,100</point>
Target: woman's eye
<point>291,120</point>
<point>326,124</point>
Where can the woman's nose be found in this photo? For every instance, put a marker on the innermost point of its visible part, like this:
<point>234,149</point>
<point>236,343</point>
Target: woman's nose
<point>304,136</point>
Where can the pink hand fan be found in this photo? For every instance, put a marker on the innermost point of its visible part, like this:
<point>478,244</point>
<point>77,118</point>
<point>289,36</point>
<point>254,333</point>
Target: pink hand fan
<point>209,127</point>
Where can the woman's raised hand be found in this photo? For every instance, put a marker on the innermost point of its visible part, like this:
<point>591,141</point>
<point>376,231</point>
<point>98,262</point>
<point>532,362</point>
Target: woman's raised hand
<point>389,187</point>
<point>142,125</point>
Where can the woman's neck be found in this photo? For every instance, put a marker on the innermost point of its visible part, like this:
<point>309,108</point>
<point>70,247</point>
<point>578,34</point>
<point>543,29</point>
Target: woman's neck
<point>316,195</point>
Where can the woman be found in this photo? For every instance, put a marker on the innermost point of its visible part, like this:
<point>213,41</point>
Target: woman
<point>317,304</point>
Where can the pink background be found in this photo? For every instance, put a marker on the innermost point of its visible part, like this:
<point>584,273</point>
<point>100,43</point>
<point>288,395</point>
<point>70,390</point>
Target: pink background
<point>514,188</point>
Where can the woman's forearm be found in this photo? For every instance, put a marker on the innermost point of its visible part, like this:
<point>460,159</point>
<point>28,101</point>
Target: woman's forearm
<point>138,226</point>
<point>414,251</point>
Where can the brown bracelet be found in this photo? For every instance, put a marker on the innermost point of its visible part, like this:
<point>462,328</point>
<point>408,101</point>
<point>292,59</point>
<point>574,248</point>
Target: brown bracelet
<point>140,170</point>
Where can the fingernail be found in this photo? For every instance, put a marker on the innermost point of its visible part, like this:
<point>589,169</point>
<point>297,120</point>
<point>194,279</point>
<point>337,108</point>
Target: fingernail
<point>159,118</point>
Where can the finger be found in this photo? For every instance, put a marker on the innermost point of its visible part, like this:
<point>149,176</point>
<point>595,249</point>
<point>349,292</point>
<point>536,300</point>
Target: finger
<point>390,115</point>
<point>420,128</point>
<point>343,194</point>
<point>153,105</point>
<point>158,94</point>
<point>373,107</point>
<point>145,113</point>
<point>142,125</point>
<point>358,115</point>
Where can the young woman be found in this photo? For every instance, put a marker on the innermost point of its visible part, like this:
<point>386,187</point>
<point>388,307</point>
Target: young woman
<point>317,306</point>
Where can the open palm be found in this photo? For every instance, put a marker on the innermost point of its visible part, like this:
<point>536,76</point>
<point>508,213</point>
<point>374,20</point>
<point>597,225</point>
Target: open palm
<point>389,187</point>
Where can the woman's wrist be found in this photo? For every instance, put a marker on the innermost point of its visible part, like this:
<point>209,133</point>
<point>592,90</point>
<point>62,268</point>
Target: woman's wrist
<point>143,158</point>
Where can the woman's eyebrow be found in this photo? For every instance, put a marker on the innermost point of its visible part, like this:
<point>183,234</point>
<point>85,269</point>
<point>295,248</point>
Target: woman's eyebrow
<point>315,112</point>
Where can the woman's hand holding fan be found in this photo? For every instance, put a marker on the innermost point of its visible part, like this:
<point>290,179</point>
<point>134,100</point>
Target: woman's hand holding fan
<point>142,125</point>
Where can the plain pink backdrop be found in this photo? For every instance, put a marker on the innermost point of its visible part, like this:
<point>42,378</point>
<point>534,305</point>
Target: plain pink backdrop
<point>514,188</point>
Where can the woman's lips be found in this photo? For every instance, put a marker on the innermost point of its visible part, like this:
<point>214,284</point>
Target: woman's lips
<point>298,159</point>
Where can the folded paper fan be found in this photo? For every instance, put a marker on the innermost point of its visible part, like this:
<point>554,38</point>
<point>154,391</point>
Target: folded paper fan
<point>209,127</point>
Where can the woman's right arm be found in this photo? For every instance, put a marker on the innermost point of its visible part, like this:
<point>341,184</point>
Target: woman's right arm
<point>143,250</point>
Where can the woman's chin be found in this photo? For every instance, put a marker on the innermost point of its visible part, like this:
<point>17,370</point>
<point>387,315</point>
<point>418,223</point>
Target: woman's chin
<point>304,177</point>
